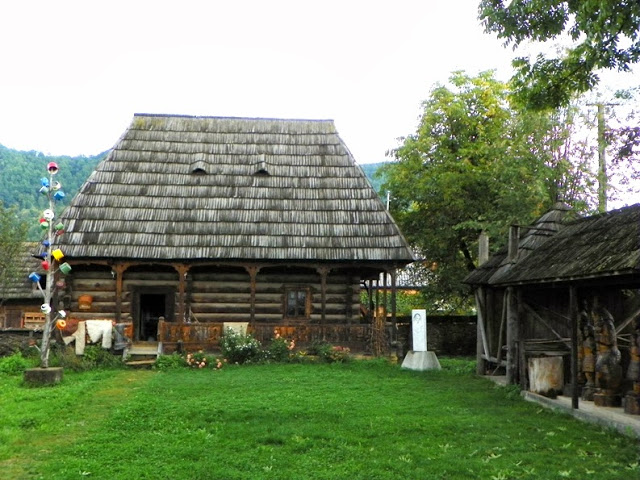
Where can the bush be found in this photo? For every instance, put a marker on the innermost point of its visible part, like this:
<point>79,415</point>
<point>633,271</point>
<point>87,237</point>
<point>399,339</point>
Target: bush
<point>239,348</point>
<point>330,353</point>
<point>169,362</point>
<point>14,364</point>
<point>280,349</point>
<point>67,358</point>
<point>95,356</point>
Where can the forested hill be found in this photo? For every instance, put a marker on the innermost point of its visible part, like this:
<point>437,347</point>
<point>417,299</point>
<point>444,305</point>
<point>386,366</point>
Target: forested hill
<point>20,174</point>
<point>369,170</point>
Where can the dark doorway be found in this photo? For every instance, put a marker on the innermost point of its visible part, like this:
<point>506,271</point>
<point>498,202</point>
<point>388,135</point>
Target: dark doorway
<point>152,307</point>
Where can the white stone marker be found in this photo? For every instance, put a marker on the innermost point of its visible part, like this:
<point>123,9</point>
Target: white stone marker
<point>419,330</point>
<point>419,358</point>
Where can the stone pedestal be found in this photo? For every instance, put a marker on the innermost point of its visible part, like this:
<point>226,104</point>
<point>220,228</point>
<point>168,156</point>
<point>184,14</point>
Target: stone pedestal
<point>40,377</point>
<point>606,398</point>
<point>632,404</point>
<point>588,391</point>
<point>421,361</point>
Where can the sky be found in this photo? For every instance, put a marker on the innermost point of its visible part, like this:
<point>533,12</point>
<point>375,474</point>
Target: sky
<point>73,73</point>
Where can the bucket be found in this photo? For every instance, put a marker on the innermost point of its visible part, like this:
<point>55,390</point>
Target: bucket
<point>65,268</point>
<point>84,302</point>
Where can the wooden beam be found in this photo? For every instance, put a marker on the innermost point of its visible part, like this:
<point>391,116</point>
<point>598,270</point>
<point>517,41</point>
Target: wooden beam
<point>512,336</point>
<point>544,322</point>
<point>182,270</point>
<point>253,274</point>
<point>394,319</point>
<point>119,269</point>
<point>323,272</point>
<point>482,348</point>
<point>627,321</point>
<point>573,313</point>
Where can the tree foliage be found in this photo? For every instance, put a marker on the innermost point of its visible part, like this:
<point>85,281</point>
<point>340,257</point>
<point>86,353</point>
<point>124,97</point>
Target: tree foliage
<point>605,35</point>
<point>20,174</point>
<point>475,164</point>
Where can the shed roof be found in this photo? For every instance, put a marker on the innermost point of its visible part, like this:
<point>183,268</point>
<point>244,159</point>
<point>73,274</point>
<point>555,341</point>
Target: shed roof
<point>600,246</point>
<point>21,287</point>
<point>190,188</point>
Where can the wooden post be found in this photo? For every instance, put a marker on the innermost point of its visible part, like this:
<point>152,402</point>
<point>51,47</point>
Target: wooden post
<point>520,328</point>
<point>182,270</point>
<point>323,272</point>
<point>481,337</point>
<point>394,323</point>
<point>573,313</point>
<point>119,270</point>
<point>512,336</point>
<point>253,274</point>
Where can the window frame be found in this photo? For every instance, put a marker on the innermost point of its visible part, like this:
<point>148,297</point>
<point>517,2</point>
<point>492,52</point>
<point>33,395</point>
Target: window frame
<point>298,313</point>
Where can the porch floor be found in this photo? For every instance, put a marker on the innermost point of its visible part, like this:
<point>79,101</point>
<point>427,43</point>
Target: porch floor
<point>611,417</point>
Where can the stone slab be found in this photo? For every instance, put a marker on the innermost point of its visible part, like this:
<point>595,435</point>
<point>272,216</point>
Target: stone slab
<point>39,377</point>
<point>421,361</point>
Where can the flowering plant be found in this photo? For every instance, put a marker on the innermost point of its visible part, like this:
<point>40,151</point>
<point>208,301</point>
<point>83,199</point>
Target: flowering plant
<point>239,347</point>
<point>280,349</point>
<point>200,360</point>
<point>197,359</point>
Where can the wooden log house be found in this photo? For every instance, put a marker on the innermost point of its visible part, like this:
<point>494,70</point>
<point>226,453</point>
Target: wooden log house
<point>193,223</point>
<point>530,296</point>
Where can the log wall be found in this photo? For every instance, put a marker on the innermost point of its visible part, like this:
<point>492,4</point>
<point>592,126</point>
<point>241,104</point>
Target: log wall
<point>215,295</point>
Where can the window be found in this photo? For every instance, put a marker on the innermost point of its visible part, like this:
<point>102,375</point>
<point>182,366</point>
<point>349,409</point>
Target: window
<point>297,302</point>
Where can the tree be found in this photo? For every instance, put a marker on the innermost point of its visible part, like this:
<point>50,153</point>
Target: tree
<point>605,35</point>
<point>476,164</point>
<point>13,234</point>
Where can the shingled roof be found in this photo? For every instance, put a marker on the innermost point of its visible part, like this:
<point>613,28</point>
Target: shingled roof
<point>194,188</point>
<point>600,246</point>
<point>19,287</point>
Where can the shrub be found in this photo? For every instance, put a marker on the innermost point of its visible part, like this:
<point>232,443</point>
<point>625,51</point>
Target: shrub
<point>330,353</point>
<point>95,356</point>
<point>280,349</point>
<point>14,364</point>
<point>67,358</point>
<point>170,362</point>
<point>239,348</point>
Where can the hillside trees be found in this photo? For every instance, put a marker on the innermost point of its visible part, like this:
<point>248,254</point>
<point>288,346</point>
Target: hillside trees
<point>605,34</point>
<point>20,173</point>
<point>476,164</point>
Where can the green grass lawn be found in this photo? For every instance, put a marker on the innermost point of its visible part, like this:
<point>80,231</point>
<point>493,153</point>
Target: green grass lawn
<point>360,420</point>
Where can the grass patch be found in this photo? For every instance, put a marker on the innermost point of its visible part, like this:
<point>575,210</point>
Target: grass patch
<point>359,420</point>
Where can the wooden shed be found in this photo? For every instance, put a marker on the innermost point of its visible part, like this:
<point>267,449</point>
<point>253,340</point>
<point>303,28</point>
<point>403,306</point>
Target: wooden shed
<point>20,298</point>
<point>193,223</point>
<point>565,288</point>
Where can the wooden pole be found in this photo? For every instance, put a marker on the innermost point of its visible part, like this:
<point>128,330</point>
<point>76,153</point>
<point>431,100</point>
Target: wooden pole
<point>573,313</point>
<point>481,341</point>
<point>512,336</point>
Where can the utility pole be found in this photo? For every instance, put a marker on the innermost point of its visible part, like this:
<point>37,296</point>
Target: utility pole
<point>602,162</point>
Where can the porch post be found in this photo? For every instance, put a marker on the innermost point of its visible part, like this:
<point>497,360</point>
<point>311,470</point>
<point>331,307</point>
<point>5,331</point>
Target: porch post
<point>512,336</point>
<point>253,274</point>
<point>182,270</point>
<point>394,323</point>
<point>119,269</point>
<point>573,314</point>
<point>323,271</point>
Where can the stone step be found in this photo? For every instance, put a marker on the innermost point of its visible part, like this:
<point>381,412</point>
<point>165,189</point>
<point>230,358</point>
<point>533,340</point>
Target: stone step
<point>140,363</point>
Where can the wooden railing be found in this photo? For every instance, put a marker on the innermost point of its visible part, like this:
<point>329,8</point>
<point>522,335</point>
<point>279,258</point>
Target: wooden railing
<point>206,336</point>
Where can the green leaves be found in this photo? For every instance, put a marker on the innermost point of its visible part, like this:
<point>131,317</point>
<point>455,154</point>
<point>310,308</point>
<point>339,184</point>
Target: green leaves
<point>476,163</point>
<point>605,35</point>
